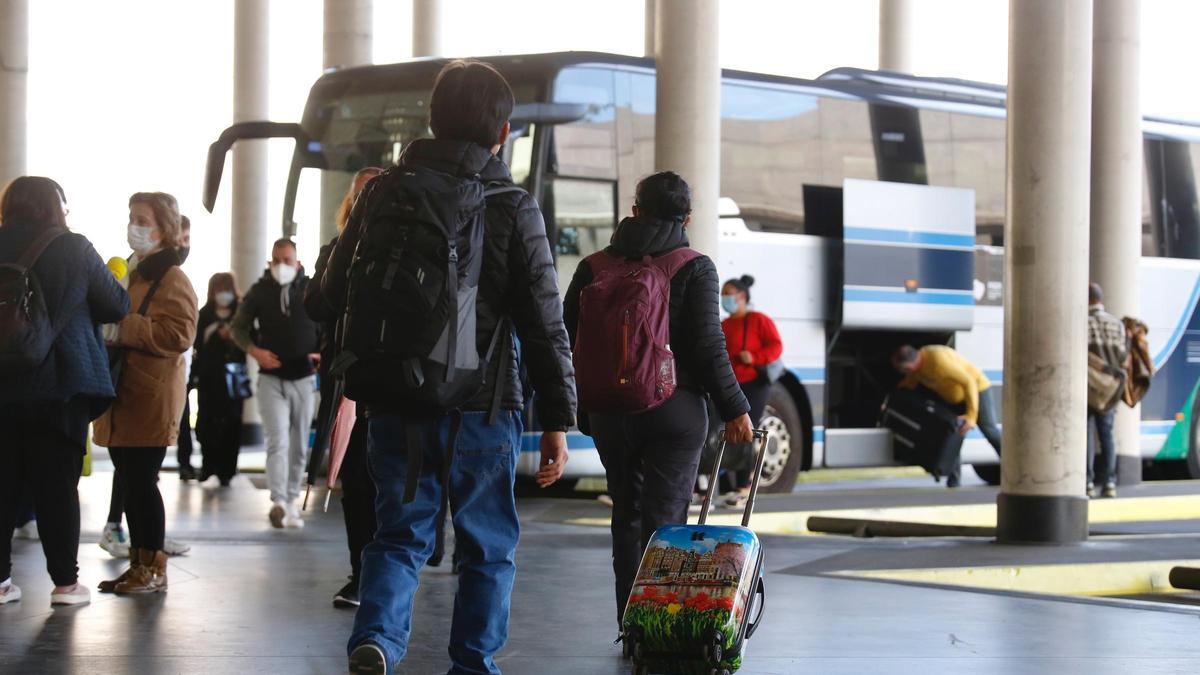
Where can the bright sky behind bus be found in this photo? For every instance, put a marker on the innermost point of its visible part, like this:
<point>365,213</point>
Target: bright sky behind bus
<point>126,96</point>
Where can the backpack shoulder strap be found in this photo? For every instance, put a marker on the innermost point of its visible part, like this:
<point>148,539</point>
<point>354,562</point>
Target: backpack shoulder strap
<point>600,261</point>
<point>31,255</point>
<point>672,262</point>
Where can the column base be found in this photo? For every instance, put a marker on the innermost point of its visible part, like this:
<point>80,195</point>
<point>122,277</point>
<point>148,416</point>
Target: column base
<point>1129,470</point>
<point>1036,519</point>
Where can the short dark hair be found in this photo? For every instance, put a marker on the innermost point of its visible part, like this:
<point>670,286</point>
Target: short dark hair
<point>664,195</point>
<point>284,241</point>
<point>904,356</point>
<point>742,284</point>
<point>1095,294</point>
<point>471,101</point>
<point>35,199</point>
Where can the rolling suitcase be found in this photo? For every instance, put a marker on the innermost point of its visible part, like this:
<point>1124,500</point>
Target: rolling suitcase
<point>699,594</point>
<point>924,431</point>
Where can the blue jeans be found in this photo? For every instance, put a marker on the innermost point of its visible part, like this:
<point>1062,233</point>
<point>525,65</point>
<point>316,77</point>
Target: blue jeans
<point>1101,424</point>
<point>486,529</point>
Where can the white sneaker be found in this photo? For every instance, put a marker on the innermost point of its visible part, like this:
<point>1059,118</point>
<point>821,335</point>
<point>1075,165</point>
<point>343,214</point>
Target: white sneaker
<point>27,531</point>
<point>277,514</point>
<point>113,540</point>
<point>9,592</point>
<point>77,595</point>
<point>173,547</point>
<point>292,519</point>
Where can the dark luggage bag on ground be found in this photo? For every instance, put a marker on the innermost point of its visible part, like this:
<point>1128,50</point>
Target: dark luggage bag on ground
<point>924,431</point>
<point>699,594</point>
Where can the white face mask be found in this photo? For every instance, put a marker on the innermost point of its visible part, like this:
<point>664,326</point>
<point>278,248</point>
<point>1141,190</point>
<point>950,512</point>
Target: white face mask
<point>284,274</point>
<point>224,298</point>
<point>140,239</point>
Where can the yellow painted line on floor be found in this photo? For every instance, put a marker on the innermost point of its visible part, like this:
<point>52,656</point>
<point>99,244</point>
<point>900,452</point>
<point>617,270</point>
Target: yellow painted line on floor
<point>1123,510</point>
<point>1087,579</point>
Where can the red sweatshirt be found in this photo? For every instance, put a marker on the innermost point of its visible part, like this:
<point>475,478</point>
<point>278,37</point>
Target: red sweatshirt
<point>754,333</point>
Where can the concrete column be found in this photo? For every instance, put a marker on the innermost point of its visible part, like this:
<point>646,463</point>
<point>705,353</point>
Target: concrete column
<point>429,27</point>
<point>14,73</point>
<point>897,27</point>
<point>1117,186</point>
<point>1045,300</point>
<point>348,41</point>
<point>651,27</point>
<point>249,232</point>
<point>688,122</point>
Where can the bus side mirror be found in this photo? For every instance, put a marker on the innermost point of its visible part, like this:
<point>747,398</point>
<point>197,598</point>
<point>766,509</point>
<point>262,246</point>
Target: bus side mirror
<point>547,113</point>
<point>243,131</point>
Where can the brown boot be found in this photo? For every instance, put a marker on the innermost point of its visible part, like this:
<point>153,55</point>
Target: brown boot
<point>111,585</point>
<point>149,577</point>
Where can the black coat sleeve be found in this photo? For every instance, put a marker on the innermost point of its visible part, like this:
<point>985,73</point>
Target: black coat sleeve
<point>107,301</point>
<point>537,313</point>
<point>582,277</point>
<point>315,302</point>
<point>707,358</point>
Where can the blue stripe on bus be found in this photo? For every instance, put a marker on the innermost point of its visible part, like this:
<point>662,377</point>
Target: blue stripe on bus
<point>900,295</point>
<point>880,266</point>
<point>1172,342</point>
<point>870,234</point>
<point>1158,426</point>
<point>575,441</point>
<point>808,374</point>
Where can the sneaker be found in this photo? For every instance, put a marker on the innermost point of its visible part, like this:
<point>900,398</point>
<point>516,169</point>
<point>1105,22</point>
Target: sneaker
<point>293,520</point>
<point>606,500</point>
<point>9,592</point>
<point>368,659</point>
<point>113,540</point>
<point>75,595</point>
<point>186,473</point>
<point>173,547</point>
<point>1090,491</point>
<point>736,500</point>
<point>348,596</point>
<point>1110,490</point>
<point>277,515</point>
<point>27,531</point>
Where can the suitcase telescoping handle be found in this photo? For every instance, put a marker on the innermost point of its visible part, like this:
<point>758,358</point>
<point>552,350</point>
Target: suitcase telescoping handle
<point>762,437</point>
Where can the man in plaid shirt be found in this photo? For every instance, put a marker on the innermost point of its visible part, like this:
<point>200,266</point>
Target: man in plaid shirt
<point>1106,339</point>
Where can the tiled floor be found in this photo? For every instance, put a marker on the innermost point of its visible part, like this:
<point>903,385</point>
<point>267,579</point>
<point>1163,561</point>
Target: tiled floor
<point>249,599</point>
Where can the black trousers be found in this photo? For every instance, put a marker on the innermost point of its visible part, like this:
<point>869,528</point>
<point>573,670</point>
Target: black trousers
<point>757,393</point>
<point>183,449</point>
<point>41,449</point>
<point>219,430</point>
<point>651,461</point>
<point>358,496</point>
<point>116,500</point>
<point>139,469</point>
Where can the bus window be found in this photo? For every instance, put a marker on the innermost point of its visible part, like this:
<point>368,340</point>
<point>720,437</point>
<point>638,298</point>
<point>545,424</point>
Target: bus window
<point>635,133</point>
<point>1174,208</point>
<point>584,216</point>
<point>967,151</point>
<point>587,148</point>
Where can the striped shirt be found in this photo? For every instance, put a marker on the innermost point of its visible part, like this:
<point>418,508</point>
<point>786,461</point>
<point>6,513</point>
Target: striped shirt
<point>1106,337</point>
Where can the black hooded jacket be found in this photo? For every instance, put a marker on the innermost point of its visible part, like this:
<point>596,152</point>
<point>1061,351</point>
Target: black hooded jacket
<point>519,282</point>
<point>283,325</point>
<point>696,338</point>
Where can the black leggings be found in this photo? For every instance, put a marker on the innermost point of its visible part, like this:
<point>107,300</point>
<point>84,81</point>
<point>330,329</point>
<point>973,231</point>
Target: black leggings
<point>358,496</point>
<point>757,393</point>
<point>138,469</point>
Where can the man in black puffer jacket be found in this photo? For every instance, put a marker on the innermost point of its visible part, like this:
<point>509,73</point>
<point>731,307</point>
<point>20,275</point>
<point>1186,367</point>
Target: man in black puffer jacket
<point>469,112</point>
<point>651,458</point>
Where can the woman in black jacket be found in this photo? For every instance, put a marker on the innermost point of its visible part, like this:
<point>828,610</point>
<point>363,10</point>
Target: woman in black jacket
<point>45,412</point>
<point>651,458</point>
<point>219,373</point>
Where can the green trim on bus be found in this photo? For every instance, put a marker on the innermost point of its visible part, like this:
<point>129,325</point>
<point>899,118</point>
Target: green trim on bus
<point>1176,445</point>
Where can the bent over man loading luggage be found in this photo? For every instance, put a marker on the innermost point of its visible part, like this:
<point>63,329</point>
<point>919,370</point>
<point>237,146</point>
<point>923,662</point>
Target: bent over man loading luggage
<point>442,258</point>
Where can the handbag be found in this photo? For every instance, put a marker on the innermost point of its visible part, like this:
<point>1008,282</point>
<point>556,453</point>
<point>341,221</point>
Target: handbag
<point>773,370</point>
<point>116,355</point>
<point>1104,385</point>
<point>237,381</point>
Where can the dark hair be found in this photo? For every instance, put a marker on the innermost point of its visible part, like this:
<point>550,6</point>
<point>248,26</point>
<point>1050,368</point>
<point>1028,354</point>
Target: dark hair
<point>664,195</point>
<point>1095,294</point>
<point>284,241</point>
<point>742,284</point>
<point>33,198</point>
<point>471,101</point>
<point>904,356</point>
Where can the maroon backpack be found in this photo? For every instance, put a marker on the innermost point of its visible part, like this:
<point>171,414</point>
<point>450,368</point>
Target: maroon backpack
<point>623,359</point>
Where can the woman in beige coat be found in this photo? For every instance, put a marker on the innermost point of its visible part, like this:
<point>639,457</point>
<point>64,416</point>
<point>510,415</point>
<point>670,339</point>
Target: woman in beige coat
<point>144,420</point>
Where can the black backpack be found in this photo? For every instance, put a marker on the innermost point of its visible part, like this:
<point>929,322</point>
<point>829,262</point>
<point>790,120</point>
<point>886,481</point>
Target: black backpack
<point>26,330</point>
<point>409,329</point>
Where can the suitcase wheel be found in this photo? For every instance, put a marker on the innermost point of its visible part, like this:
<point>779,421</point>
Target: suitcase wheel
<point>714,653</point>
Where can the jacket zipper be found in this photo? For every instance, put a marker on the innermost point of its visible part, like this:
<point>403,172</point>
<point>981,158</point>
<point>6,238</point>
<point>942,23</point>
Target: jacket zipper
<point>622,379</point>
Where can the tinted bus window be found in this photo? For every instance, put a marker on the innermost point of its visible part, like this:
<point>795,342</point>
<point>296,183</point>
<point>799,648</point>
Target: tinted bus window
<point>1172,167</point>
<point>587,148</point>
<point>967,151</point>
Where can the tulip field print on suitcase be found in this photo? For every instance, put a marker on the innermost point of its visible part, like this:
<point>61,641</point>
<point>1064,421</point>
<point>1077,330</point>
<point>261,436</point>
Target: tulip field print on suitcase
<point>699,594</point>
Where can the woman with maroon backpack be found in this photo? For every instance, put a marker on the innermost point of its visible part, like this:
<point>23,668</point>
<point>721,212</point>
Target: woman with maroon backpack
<point>646,336</point>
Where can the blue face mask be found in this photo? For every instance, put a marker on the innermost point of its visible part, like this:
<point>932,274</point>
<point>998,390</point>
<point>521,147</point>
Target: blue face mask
<point>729,303</point>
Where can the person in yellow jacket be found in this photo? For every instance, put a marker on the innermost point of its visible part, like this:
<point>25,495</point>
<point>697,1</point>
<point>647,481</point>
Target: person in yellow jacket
<point>956,380</point>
